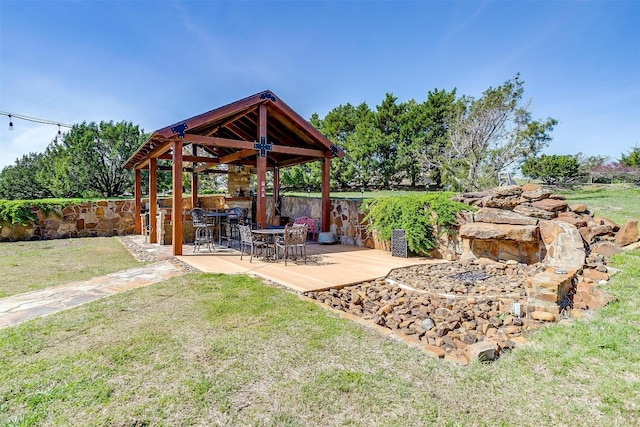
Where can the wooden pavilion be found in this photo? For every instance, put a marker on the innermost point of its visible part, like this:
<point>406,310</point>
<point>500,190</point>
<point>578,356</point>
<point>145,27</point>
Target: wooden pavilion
<point>259,131</point>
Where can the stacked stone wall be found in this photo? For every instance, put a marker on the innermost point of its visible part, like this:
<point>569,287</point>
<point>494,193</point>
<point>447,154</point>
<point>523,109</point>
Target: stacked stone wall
<point>530,224</point>
<point>89,219</point>
<point>346,220</point>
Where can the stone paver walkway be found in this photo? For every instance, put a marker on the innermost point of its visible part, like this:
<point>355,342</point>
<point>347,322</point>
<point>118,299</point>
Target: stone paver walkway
<point>22,307</point>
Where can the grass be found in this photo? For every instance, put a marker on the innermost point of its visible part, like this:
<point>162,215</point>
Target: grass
<point>28,266</point>
<point>205,349</point>
<point>616,202</point>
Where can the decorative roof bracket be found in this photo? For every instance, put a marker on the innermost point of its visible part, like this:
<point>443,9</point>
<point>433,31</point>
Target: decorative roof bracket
<point>180,129</point>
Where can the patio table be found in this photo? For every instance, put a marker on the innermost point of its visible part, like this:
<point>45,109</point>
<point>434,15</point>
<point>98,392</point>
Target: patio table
<point>270,234</point>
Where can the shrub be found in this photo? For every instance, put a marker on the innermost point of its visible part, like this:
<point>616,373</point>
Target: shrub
<point>23,211</point>
<point>416,214</point>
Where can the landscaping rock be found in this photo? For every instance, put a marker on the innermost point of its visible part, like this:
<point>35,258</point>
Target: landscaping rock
<point>501,216</point>
<point>628,233</point>
<point>484,231</point>
<point>482,351</point>
<point>606,249</point>
<point>551,205</point>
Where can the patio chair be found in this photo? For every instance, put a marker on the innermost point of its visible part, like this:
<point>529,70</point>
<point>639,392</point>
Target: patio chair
<point>295,236</point>
<point>247,239</point>
<point>231,231</point>
<point>202,231</point>
<point>311,224</point>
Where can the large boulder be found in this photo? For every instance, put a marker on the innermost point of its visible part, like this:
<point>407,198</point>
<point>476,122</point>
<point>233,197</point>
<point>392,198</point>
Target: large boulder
<point>628,233</point>
<point>501,216</point>
<point>537,194</point>
<point>528,210</point>
<point>564,245</point>
<point>485,231</point>
<point>551,205</point>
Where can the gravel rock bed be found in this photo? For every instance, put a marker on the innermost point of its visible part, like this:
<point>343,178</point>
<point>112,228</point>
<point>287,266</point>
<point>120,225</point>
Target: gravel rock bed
<point>140,253</point>
<point>448,317</point>
<point>453,279</point>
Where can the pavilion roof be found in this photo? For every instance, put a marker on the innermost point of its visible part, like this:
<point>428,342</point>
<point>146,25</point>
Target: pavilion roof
<point>227,135</point>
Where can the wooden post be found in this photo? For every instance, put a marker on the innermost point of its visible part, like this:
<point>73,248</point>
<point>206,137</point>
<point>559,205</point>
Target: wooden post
<point>194,181</point>
<point>276,193</point>
<point>261,196</point>
<point>153,200</point>
<point>326,192</point>
<point>176,213</point>
<point>137,194</point>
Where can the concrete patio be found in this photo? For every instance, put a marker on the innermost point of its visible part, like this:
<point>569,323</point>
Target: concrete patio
<point>328,265</point>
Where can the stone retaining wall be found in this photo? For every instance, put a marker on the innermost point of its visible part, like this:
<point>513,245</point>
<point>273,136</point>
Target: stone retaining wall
<point>345,219</point>
<point>90,219</point>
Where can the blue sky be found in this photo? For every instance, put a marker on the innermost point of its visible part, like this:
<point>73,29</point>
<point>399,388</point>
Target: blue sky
<point>157,62</point>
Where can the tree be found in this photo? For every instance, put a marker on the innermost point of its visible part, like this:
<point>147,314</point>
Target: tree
<point>553,169</point>
<point>351,128</point>
<point>437,112</point>
<point>90,160</point>
<point>385,142</point>
<point>490,134</point>
<point>20,181</point>
<point>632,158</point>
<point>615,171</point>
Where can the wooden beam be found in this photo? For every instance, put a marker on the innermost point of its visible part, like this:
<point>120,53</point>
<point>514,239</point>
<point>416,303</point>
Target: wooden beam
<point>237,156</point>
<point>230,120</point>
<point>220,172</point>
<point>214,141</point>
<point>142,165</point>
<point>298,122</point>
<point>204,167</point>
<point>297,151</point>
<point>248,145</point>
<point>242,134</point>
<point>137,194</point>
<point>176,212</point>
<point>295,161</point>
<point>224,111</point>
<point>199,159</point>
<point>153,201</point>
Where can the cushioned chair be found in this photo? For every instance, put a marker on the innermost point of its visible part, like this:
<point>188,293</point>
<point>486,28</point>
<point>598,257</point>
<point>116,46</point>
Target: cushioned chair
<point>295,236</point>
<point>310,223</point>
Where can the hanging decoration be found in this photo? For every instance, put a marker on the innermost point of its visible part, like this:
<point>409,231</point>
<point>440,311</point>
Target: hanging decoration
<point>34,120</point>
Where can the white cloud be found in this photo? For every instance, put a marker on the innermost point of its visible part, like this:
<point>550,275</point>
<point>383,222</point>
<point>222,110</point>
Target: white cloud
<point>25,138</point>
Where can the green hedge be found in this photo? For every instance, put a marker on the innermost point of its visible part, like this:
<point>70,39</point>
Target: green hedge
<point>21,211</point>
<point>416,214</point>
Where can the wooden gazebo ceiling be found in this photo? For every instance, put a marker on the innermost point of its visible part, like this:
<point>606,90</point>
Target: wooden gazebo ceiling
<point>227,135</point>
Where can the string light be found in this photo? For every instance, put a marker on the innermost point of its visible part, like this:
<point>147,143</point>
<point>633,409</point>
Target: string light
<point>33,119</point>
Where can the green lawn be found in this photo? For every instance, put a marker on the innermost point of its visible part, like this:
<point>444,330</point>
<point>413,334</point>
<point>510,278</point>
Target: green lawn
<point>615,202</point>
<point>28,266</point>
<point>206,349</point>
